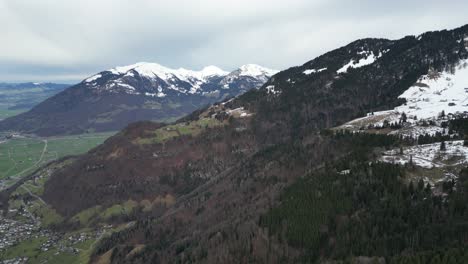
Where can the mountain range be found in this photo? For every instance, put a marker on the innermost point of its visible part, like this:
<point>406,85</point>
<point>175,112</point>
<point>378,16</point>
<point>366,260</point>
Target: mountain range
<point>356,156</point>
<point>110,100</point>
<point>270,177</point>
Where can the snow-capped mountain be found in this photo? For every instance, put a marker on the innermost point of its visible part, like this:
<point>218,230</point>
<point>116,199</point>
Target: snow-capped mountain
<point>155,80</point>
<point>113,98</point>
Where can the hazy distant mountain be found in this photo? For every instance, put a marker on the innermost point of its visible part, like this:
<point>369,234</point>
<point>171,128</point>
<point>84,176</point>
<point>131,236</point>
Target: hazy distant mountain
<point>114,98</point>
<point>16,97</point>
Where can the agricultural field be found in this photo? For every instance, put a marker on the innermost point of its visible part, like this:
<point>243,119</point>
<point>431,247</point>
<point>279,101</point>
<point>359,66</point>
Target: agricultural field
<point>20,156</point>
<point>5,113</point>
<point>171,131</point>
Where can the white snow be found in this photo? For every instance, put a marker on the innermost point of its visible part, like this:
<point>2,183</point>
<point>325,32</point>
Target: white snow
<point>371,58</point>
<point>165,73</point>
<point>376,119</point>
<point>260,73</point>
<point>213,71</point>
<point>271,90</point>
<point>238,112</point>
<point>345,172</point>
<point>129,87</point>
<point>429,155</point>
<point>93,78</point>
<point>255,70</point>
<point>152,70</point>
<point>228,101</point>
<point>159,94</point>
<point>415,131</point>
<point>310,71</point>
<point>157,73</point>
<point>437,92</point>
<point>425,100</point>
<point>168,75</point>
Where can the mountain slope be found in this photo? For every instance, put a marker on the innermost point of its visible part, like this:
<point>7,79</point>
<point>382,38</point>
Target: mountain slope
<point>144,91</point>
<point>226,168</point>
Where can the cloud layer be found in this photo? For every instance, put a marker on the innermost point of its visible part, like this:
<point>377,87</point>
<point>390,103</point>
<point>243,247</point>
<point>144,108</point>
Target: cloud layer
<point>58,40</point>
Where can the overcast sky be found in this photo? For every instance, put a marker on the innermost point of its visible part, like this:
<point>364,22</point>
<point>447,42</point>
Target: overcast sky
<point>67,40</point>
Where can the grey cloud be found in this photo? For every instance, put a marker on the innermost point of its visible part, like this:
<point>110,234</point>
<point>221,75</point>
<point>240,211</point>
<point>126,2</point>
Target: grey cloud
<point>67,40</point>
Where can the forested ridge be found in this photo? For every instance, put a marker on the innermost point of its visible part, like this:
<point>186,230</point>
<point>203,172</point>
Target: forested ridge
<point>283,184</point>
<point>357,207</point>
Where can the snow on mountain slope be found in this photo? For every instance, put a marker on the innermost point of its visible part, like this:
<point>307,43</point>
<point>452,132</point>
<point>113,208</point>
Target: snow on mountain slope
<point>369,59</point>
<point>93,78</point>
<point>249,72</point>
<point>440,165</point>
<point>437,92</point>
<point>152,79</point>
<point>310,71</point>
<point>255,70</point>
<point>152,70</point>
<point>432,97</point>
<point>430,155</point>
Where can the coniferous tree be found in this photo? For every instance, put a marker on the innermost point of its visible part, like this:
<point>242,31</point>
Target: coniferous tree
<point>411,187</point>
<point>403,117</point>
<point>442,146</point>
<point>420,185</point>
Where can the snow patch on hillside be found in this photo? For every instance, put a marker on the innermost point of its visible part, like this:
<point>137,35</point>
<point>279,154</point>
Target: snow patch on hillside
<point>433,96</point>
<point>429,155</point>
<point>369,59</point>
<point>129,87</point>
<point>239,112</point>
<point>93,78</point>
<point>272,90</point>
<point>437,92</point>
<point>308,72</point>
<point>414,131</point>
<point>158,94</point>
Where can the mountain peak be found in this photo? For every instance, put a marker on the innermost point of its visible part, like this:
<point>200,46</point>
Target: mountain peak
<point>141,91</point>
<point>212,71</point>
<point>151,69</point>
<point>147,69</point>
<point>255,70</point>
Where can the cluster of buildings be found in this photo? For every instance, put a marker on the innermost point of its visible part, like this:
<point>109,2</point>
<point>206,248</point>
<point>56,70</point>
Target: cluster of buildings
<point>12,232</point>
